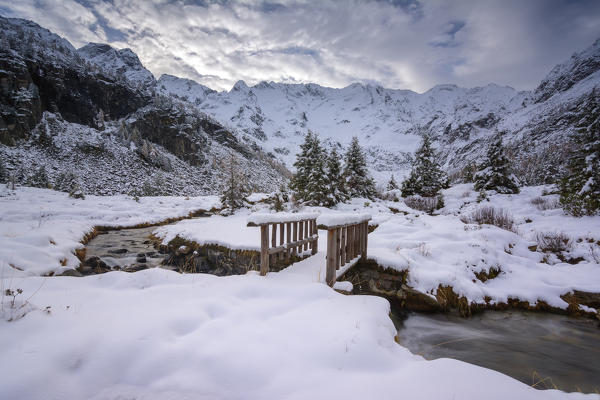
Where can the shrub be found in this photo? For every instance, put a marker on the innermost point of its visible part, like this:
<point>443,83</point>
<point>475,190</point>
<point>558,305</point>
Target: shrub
<point>543,203</point>
<point>491,216</point>
<point>553,242</point>
<point>426,204</point>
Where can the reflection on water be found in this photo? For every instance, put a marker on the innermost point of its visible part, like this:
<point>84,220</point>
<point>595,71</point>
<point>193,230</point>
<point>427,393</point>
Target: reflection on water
<point>544,350</point>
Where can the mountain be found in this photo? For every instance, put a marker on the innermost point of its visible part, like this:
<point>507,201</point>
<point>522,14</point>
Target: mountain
<point>95,113</point>
<point>180,130</point>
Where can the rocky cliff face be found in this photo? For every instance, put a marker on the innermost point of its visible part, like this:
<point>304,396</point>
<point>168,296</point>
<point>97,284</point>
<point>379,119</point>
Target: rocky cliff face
<point>95,113</point>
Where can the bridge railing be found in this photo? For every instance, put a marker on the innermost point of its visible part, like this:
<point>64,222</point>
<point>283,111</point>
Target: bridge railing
<point>285,235</point>
<point>347,240</point>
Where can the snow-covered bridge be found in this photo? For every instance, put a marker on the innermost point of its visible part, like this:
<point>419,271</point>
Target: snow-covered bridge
<point>347,236</point>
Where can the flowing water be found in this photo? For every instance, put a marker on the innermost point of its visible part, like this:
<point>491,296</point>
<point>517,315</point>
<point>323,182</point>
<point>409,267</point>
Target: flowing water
<point>125,248</point>
<point>544,350</point>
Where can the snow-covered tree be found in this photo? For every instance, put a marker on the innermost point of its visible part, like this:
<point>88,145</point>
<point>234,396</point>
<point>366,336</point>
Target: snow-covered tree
<point>495,173</point>
<point>38,179</point>
<point>66,182</point>
<point>336,191</point>
<point>392,185</point>
<point>4,175</point>
<point>280,198</point>
<point>358,183</point>
<point>317,186</point>
<point>427,177</point>
<point>235,190</point>
<point>303,166</point>
<point>580,185</point>
<point>310,181</point>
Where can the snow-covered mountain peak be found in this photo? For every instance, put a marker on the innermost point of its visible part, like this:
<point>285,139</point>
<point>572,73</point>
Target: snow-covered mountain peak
<point>182,88</point>
<point>240,86</point>
<point>565,75</point>
<point>122,63</point>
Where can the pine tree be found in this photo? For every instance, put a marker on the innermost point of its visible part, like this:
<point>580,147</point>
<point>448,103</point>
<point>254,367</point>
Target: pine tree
<point>310,181</point>
<point>495,174</point>
<point>235,190</point>
<point>358,183</point>
<point>580,186</point>
<point>426,178</point>
<point>317,185</point>
<point>4,175</point>
<point>336,192</point>
<point>38,179</point>
<point>66,182</point>
<point>392,185</point>
<point>303,166</point>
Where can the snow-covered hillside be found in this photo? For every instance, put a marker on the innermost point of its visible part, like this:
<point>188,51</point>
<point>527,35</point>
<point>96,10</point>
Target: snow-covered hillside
<point>274,117</point>
<point>390,123</point>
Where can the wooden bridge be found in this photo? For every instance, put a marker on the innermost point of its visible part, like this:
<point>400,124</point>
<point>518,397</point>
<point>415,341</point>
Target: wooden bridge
<point>298,237</point>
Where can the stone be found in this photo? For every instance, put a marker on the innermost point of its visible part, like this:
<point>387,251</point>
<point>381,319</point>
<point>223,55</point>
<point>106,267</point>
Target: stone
<point>118,251</point>
<point>71,272</point>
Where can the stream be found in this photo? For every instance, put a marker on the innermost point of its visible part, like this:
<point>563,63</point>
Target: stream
<point>546,351</point>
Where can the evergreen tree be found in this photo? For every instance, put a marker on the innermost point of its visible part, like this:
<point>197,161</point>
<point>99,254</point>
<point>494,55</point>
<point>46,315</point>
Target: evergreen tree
<point>426,178</point>
<point>235,190</point>
<point>310,184</point>
<point>66,182</point>
<point>580,186</point>
<point>317,187</point>
<point>336,192</point>
<point>4,175</point>
<point>38,179</point>
<point>303,165</point>
<point>358,183</point>
<point>392,185</point>
<point>495,171</point>
<point>280,198</point>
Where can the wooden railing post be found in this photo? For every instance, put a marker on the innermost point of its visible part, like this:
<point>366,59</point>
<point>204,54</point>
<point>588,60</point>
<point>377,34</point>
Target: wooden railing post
<point>365,240</point>
<point>315,242</point>
<point>330,274</point>
<point>264,249</point>
<point>288,233</point>
<point>295,248</point>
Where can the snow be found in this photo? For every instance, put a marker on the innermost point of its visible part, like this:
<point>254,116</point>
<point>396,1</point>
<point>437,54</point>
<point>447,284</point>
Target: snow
<point>40,228</point>
<point>278,217</point>
<point>158,334</point>
<point>442,250</point>
<point>231,231</point>
<point>331,220</point>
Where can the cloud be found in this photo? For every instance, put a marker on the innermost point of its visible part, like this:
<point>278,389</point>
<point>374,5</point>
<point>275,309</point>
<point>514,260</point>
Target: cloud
<point>405,44</point>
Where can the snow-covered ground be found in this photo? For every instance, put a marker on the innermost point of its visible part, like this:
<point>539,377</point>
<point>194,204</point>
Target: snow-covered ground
<point>157,334</point>
<point>40,228</point>
<point>160,334</point>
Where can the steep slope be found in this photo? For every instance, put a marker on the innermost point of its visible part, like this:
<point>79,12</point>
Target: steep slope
<point>102,94</point>
<point>121,64</point>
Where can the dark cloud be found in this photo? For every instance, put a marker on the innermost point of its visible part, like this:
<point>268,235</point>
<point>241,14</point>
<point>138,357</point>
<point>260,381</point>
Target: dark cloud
<point>406,44</point>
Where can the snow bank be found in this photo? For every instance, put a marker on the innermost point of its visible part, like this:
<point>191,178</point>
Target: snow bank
<point>331,219</point>
<point>40,228</point>
<point>442,250</point>
<point>157,334</point>
<point>231,231</point>
<point>266,218</point>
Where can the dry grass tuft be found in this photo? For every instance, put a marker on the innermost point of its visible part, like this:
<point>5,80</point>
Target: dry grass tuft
<point>491,216</point>
<point>553,242</point>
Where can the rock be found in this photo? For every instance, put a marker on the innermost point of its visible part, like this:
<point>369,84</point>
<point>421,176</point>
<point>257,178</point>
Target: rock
<point>141,259</point>
<point>71,272</point>
<point>93,265</point>
<point>118,251</point>
<point>135,268</point>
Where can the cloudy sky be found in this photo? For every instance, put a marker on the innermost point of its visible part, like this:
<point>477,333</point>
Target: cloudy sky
<point>402,44</point>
